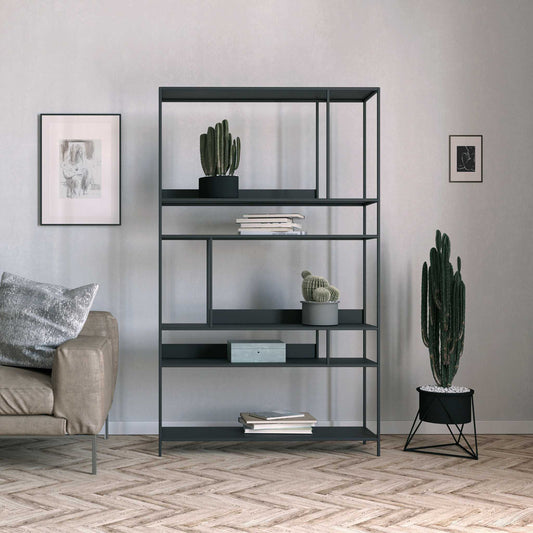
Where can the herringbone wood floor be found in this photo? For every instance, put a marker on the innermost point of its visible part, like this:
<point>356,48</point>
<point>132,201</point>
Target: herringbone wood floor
<point>281,487</point>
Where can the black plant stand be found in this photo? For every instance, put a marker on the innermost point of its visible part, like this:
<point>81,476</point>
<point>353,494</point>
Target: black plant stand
<point>441,408</point>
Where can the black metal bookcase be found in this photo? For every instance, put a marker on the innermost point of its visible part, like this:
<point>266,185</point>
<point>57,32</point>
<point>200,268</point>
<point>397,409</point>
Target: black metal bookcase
<point>298,355</point>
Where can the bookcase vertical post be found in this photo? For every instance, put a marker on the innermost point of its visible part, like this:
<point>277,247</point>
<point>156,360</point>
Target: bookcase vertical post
<point>328,140</point>
<point>160,263</point>
<point>317,149</point>
<point>364,262</point>
<point>378,268</point>
<point>209,282</point>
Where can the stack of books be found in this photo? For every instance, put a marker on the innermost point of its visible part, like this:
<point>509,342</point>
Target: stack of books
<point>271,224</point>
<point>276,422</point>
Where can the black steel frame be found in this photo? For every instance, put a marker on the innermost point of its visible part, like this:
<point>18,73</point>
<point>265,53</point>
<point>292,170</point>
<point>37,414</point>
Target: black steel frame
<point>298,355</point>
<point>40,206</point>
<point>471,452</point>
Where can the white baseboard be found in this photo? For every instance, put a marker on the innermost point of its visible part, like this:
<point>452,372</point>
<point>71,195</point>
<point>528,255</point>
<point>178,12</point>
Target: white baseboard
<point>402,427</point>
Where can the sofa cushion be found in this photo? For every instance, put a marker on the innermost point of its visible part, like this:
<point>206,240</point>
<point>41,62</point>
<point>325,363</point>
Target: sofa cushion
<point>35,318</point>
<point>25,392</point>
<point>32,425</point>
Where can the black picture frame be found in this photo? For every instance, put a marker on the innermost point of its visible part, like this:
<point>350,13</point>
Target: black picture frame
<point>466,159</point>
<point>91,194</point>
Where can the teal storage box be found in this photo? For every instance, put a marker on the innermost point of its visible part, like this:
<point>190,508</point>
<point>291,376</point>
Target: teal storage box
<point>271,351</point>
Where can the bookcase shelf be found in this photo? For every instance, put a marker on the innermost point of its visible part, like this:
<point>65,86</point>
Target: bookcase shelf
<point>261,197</point>
<point>299,355</point>
<point>212,354</point>
<point>237,237</point>
<point>269,319</point>
<point>234,433</point>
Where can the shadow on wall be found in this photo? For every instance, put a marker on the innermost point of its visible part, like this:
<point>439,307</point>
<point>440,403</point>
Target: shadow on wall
<point>396,346</point>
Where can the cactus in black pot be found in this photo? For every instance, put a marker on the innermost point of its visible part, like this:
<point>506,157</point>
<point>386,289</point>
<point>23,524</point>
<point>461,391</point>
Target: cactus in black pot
<point>220,156</point>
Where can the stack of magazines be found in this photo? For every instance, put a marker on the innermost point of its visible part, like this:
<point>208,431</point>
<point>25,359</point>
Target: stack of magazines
<point>277,422</point>
<point>271,224</point>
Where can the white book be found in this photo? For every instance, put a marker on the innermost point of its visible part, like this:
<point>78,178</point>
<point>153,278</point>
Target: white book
<point>274,225</point>
<point>277,415</point>
<point>274,215</point>
<point>293,431</point>
<point>305,420</point>
<point>269,232</point>
<point>266,220</point>
<point>278,424</point>
<point>257,230</point>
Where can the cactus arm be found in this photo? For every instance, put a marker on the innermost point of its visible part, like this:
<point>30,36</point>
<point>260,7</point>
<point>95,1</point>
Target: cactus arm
<point>210,151</point>
<point>227,152</point>
<point>203,153</point>
<point>224,148</point>
<point>238,153</point>
<point>219,148</point>
<point>424,305</point>
<point>232,163</point>
<point>435,275</point>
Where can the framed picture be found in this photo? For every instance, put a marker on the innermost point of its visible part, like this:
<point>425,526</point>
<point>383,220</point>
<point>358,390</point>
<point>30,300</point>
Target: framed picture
<point>79,169</point>
<point>466,158</point>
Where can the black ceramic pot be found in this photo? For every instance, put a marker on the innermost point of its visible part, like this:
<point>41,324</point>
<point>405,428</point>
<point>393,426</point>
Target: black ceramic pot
<point>445,408</point>
<point>219,187</point>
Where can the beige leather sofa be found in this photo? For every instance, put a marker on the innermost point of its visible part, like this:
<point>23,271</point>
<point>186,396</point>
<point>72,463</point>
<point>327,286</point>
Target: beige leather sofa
<point>75,397</point>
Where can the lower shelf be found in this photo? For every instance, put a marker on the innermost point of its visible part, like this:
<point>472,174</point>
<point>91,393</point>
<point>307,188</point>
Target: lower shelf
<point>291,362</point>
<point>236,433</point>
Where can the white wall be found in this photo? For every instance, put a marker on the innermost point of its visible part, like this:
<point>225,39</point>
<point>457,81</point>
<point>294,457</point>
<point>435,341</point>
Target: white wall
<point>454,67</point>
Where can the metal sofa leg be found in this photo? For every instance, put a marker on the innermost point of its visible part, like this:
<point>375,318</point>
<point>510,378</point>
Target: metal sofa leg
<point>107,427</point>
<point>93,438</point>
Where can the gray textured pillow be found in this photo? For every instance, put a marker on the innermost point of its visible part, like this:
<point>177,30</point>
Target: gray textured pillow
<point>35,318</point>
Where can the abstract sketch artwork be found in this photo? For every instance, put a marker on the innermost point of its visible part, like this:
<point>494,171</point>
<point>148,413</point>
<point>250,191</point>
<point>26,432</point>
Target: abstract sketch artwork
<point>466,158</point>
<point>81,168</point>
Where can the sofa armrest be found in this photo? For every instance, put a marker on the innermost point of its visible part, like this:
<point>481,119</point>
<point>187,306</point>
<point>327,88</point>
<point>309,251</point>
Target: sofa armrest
<point>83,383</point>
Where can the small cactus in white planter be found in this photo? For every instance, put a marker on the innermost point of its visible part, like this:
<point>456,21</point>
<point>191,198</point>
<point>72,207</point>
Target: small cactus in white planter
<point>321,301</point>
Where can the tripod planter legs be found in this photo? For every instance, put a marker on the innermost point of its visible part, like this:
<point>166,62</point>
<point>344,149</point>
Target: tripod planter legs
<point>448,409</point>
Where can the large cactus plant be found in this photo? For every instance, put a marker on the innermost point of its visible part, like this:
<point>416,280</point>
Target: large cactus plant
<point>219,155</point>
<point>443,311</point>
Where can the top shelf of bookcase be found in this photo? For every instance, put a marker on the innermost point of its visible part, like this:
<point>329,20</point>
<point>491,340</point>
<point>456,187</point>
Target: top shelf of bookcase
<point>260,197</point>
<point>266,94</point>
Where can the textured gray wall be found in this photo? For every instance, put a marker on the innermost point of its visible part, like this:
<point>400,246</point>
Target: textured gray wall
<point>445,68</point>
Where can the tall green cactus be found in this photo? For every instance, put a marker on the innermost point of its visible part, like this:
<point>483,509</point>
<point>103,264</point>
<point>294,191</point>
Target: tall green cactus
<point>443,295</point>
<point>218,152</point>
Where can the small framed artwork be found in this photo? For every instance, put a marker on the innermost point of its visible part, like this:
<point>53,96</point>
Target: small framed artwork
<point>466,158</point>
<point>79,169</point>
